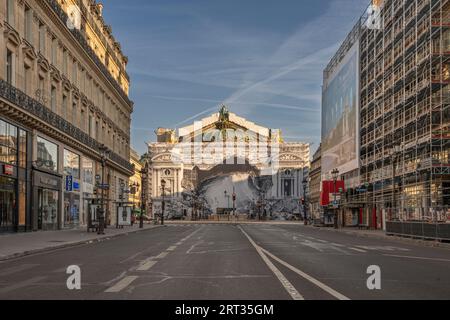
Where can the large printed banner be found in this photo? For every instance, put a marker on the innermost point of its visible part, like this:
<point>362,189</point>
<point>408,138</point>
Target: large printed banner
<point>340,107</point>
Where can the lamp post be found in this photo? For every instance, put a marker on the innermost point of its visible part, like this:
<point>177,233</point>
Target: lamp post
<point>143,195</point>
<point>104,152</point>
<point>305,216</point>
<point>335,174</point>
<point>163,204</point>
<point>395,155</point>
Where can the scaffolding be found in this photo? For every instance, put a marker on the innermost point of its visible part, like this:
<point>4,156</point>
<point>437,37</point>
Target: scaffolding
<point>405,111</point>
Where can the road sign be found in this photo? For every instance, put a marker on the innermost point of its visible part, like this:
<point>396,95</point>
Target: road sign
<point>69,183</point>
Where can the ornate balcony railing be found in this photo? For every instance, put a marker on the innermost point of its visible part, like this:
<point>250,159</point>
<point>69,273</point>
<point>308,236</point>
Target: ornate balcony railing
<point>20,99</point>
<point>82,41</point>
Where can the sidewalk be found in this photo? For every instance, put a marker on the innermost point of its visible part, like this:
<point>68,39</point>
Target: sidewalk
<point>16,245</point>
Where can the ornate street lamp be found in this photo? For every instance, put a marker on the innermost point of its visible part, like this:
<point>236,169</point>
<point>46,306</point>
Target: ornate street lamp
<point>163,204</point>
<point>104,153</point>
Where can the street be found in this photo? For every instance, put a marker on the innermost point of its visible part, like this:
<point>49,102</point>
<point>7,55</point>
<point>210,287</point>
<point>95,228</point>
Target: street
<point>233,262</point>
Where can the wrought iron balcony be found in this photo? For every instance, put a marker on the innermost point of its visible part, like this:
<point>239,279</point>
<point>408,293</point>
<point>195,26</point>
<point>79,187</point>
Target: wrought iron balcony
<point>28,104</point>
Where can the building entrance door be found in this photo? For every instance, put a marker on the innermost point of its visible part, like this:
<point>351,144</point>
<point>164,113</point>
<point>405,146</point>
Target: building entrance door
<point>7,204</point>
<point>48,209</point>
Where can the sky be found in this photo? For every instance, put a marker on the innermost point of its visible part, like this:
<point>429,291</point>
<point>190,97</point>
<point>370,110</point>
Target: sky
<point>263,58</point>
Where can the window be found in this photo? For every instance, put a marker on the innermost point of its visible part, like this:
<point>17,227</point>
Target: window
<point>47,154</point>
<point>42,32</point>
<point>10,12</point>
<point>64,67</point>
<point>53,99</point>
<point>90,123</point>
<point>28,24</point>
<point>54,52</point>
<point>71,164</point>
<point>74,73</point>
<point>74,113</point>
<point>8,143</point>
<point>10,67</point>
<point>88,171</point>
<point>26,79</point>
<point>64,112</point>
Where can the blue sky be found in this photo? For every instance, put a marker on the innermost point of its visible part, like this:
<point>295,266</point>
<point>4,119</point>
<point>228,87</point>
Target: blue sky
<point>264,59</point>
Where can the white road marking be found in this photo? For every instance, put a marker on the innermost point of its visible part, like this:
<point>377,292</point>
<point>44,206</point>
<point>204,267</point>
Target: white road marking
<point>179,243</point>
<point>122,284</point>
<point>22,284</point>
<point>358,250</point>
<point>162,255</point>
<point>23,267</point>
<point>321,285</point>
<point>147,265</point>
<point>418,258</point>
<point>172,248</point>
<point>316,282</point>
<point>323,241</point>
<point>285,282</point>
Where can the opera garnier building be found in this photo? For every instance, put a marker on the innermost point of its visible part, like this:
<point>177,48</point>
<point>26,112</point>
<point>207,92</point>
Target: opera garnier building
<point>63,105</point>
<point>225,164</point>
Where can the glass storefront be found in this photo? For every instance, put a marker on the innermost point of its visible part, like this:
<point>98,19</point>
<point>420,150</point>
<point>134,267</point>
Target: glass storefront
<point>7,203</point>
<point>47,209</point>
<point>71,209</point>
<point>47,155</point>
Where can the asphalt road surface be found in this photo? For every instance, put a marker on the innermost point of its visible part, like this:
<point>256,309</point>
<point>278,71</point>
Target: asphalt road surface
<point>233,262</point>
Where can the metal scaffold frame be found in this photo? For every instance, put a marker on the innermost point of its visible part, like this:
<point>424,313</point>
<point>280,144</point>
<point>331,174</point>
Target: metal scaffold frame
<point>405,111</point>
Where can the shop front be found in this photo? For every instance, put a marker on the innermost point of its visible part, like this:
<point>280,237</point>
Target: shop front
<point>46,197</point>
<point>14,208</point>
<point>72,190</point>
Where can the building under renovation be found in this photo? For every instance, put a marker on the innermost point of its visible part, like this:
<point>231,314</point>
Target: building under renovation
<point>404,116</point>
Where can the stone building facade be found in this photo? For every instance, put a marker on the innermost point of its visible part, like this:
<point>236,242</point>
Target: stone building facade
<point>63,94</point>
<point>219,167</point>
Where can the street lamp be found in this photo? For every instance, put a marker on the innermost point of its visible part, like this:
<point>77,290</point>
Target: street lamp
<point>163,204</point>
<point>143,195</point>
<point>305,182</point>
<point>104,153</point>
<point>335,174</point>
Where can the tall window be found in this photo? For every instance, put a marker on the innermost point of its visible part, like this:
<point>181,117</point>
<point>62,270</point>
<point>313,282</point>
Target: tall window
<point>90,124</point>
<point>10,11</point>
<point>26,79</point>
<point>74,73</point>
<point>74,113</point>
<point>42,32</point>
<point>64,67</point>
<point>64,112</point>
<point>53,99</point>
<point>10,67</point>
<point>28,24</point>
<point>71,164</point>
<point>8,142</point>
<point>54,52</point>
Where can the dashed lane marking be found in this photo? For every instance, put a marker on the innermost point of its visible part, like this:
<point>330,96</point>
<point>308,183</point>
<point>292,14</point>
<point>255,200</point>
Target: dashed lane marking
<point>147,265</point>
<point>162,255</point>
<point>122,284</point>
<point>172,248</point>
<point>358,250</point>
<point>284,282</point>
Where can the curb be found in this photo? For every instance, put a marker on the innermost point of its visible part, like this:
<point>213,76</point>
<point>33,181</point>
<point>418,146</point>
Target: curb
<point>426,243</point>
<point>71,244</point>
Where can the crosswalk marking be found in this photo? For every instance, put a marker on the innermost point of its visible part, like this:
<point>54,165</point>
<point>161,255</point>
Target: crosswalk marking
<point>172,248</point>
<point>162,255</point>
<point>122,284</point>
